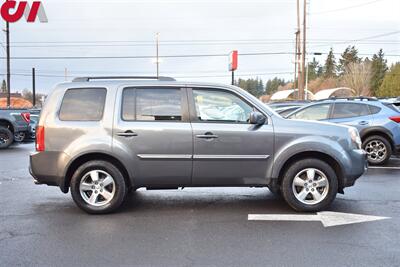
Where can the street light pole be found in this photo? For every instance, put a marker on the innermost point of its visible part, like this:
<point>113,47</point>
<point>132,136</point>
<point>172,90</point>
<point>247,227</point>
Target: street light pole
<point>157,57</point>
<point>8,64</point>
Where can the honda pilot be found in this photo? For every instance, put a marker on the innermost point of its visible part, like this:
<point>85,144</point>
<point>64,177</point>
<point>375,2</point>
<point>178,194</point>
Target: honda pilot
<point>102,137</point>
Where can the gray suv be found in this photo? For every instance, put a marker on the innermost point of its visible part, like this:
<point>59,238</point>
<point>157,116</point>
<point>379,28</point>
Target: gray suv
<point>102,137</point>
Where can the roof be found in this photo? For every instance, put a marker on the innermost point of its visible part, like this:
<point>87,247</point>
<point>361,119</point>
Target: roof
<point>326,93</point>
<point>284,94</point>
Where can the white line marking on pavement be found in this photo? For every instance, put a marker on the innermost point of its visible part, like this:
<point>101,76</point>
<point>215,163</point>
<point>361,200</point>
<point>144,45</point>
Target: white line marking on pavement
<point>383,167</point>
<point>327,218</point>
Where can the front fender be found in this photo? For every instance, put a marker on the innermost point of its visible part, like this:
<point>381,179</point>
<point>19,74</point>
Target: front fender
<point>313,143</point>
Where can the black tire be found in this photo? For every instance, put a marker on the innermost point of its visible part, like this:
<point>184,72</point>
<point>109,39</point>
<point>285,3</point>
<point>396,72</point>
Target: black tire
<point>6,137</point>
<point>120,187</point>
<point>299,166</point>
<point>386,143</point>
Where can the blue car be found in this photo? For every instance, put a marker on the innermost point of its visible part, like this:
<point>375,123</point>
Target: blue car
<point>377,122</point>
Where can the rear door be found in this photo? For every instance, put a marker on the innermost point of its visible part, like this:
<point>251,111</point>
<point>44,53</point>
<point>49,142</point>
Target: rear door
<point>352,114</point>
<point>153,128</point>
<point>227,149</point>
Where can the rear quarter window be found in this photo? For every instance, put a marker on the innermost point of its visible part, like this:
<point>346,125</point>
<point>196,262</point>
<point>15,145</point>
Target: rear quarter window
<point>86,104</point>
<point>374,109</point>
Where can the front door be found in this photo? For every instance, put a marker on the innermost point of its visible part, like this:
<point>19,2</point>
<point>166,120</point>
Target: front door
<point>153,128</point>
<point>228,151</point>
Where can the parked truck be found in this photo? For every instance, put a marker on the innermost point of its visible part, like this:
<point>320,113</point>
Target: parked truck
<point>14,126</point>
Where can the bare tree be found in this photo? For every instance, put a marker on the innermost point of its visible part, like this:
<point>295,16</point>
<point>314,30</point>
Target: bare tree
<point>357,76</point>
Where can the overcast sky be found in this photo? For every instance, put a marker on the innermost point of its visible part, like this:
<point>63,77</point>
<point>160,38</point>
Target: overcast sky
<point>91,28</point>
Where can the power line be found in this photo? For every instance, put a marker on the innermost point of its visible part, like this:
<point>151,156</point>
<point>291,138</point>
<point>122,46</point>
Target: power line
<point>184,76</point>
<point>361,39</point>
<point>345,8</point>
<point>187,41</point>
<point>148,57</point>
<point>167,56</point>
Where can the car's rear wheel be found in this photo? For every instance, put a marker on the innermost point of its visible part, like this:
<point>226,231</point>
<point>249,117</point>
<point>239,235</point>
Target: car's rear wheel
<point>309,185</point>
<point>378,149</point>
<point>6,137</point>
<point>98,187</point>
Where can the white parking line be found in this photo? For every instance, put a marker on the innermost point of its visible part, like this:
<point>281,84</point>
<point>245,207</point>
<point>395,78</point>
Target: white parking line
<point>382,167</point>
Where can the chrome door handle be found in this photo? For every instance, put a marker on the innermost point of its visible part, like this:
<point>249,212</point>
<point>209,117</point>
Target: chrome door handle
<point>127,134</point>
<point>207,135</point>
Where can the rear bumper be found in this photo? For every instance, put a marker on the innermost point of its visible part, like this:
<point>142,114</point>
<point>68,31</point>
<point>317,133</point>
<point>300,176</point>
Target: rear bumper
<point>47,168</point>
<point>358,165</point>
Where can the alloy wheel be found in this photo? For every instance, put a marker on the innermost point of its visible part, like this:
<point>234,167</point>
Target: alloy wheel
<point>97,188</point>
<point>310,186</point>
<point>376,151</point>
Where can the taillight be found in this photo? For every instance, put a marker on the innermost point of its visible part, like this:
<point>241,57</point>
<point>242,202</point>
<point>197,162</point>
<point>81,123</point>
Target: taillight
<point>26,116</point>
<point>40,138</point>
<point>395,119</point>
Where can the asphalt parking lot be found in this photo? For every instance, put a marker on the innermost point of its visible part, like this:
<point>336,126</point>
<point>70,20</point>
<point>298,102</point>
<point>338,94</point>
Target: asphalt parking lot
<point>40,226</point>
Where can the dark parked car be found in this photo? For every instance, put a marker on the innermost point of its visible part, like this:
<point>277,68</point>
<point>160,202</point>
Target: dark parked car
<point>103,138</point>
<point>14,126</point>
<point>377,122</point>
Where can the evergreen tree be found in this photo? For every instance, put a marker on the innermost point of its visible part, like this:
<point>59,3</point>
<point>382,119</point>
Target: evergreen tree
<point>3,87</point>
<point>253,86</point>
<point>350,55</point>
<point>314,70</point>
<point>272,85</point>
<point>390,86</point>
<point>329,68</point>
<point>379,69</point>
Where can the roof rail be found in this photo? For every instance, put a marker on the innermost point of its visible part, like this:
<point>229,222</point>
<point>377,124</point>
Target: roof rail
<point>87,79</point>
<point>351,98</point>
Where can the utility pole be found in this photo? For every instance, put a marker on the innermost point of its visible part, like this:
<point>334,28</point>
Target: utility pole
<point>303,52</point>
<point>33,88</point>
<point>157,57</point>
<point>8,64</point>
<point>298,51</point>
<point>295,61</point>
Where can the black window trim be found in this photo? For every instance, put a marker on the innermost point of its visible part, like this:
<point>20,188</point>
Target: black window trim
<point>334,105</point>
<point>193,112</point>
<point>80,88</point>
<point>184,104</point>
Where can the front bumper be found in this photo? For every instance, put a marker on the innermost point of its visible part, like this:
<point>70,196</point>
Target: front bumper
<point>48,168</point>
<point>358,165</point>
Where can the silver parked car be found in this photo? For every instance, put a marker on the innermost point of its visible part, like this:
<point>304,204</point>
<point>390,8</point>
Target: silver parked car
<point>102,137</point>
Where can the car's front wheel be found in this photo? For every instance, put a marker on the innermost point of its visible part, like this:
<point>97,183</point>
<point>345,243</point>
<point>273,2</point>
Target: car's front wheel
<point>309,185</point>
<point>378,150</point>
<point>98,187</point>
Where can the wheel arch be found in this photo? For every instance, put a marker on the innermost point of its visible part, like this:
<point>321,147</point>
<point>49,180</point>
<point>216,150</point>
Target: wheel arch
<point>8,124</point>
<point>316,155</point>
<point>378,131</point>
<point>75,163</point>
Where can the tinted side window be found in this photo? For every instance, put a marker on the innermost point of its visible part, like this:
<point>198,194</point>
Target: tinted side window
<point>374,110</point>
<point>316,112</point>
<point>217,105</point>
<point>83,104</point>
<point>349,110</point>
<point>128,104</point>
<point>159,104</point>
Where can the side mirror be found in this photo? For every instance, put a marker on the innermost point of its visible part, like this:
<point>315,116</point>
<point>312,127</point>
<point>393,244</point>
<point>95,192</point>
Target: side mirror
<point>257,118</point>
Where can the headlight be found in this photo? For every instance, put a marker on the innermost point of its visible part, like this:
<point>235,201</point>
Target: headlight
<point>355,137</point>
